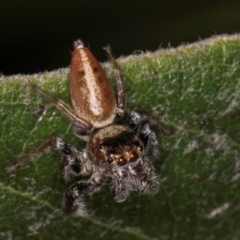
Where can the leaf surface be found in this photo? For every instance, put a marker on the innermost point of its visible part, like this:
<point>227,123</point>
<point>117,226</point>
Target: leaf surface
<point>195,90</point>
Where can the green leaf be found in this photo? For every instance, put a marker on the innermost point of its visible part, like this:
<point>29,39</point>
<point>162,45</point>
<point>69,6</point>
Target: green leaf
<point>195,90</point>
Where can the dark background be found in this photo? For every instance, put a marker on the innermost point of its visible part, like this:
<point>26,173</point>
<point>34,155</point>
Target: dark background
<point>37,35</point>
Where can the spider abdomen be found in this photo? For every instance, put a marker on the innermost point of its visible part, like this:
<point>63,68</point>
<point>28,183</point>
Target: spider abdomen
<point>92,95</point>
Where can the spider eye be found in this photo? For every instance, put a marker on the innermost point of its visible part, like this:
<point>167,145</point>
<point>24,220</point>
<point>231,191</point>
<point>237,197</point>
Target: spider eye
<point>122,161</point>
<point>110,160</point>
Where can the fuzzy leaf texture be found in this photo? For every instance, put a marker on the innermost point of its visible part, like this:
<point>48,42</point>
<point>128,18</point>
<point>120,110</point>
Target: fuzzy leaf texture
<point>195,90</point>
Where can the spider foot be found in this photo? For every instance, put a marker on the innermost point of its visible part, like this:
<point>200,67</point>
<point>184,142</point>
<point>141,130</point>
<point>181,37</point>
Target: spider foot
<point>121,196</point>
<point>150,187</point>
<point>73,205</point>
<point>120,191</point>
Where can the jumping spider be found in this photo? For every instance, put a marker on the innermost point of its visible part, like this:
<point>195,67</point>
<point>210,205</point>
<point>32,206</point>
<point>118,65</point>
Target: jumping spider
<point>123,155</point>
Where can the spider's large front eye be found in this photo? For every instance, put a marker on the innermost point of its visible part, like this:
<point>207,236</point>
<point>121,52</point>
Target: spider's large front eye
<point>122,161</point>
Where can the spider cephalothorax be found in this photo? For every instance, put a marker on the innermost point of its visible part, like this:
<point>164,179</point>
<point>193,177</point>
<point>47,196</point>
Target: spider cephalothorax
<point>118,153</point>
<point>114,145</point>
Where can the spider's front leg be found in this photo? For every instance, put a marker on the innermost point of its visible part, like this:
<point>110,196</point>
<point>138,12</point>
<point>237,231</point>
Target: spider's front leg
<point>71,157</point>
<point>74,163</point>
<point>143,178</point>
<point>142,123</point>
<point>120,185</point>
<point>73,202</point>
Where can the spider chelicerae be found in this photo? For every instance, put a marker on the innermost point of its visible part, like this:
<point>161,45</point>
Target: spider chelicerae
<point>121,154</point>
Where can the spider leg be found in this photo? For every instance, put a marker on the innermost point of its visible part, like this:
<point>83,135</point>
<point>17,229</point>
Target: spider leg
<point>120,186</point>
<point>81,132</point>
<point>74,163</point>
<point>73,202</point>
<point>149,138</point>
<point>32,155</point>
<point>65,109</point>
<point>142,124</point>
<point>120,85</point>
<point>140,116</point>
<point>71,163</point>
<point>143,178</point>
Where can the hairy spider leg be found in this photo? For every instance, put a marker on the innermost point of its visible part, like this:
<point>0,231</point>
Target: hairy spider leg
<point>139,178</point>
<point>149,137</point>
<point>141,123</point>
<point>143,179</point>
<point>120,186</point>
<point>71,163</point>
<point>120,84</point>
<point>74,163</point>
<point>73,201</point>
<point>140,116</point>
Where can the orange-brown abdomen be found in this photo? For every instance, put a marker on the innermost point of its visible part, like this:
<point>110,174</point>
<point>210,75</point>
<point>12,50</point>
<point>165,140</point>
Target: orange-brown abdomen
<point>92,95</point>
